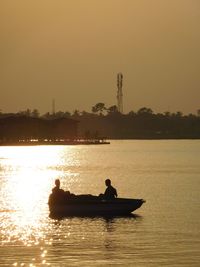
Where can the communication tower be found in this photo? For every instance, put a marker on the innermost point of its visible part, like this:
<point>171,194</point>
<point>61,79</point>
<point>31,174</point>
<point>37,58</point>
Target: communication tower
<point>53,106</point>
<point>119,92</point>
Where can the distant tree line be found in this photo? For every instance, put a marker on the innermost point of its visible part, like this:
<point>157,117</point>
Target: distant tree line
<point>141,124</point>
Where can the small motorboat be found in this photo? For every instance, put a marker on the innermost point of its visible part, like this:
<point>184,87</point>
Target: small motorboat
<point>84,205</point>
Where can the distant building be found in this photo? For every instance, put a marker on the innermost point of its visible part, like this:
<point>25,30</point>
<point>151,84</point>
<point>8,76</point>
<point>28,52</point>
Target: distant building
<point>62,128</point>
<point>23,128</point>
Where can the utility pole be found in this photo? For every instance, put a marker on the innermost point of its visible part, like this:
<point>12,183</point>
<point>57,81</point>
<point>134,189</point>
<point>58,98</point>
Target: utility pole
<point>119,92</point>
<point>53,106</point>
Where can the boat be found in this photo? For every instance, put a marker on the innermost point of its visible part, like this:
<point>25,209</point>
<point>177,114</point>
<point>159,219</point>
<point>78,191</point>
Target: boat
<point>84,205</point>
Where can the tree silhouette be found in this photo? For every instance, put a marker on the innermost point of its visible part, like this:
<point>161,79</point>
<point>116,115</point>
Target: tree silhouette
<point>145,110</point>
<point>112,109</point>
<point>35,113</point>
<point>99,108</point>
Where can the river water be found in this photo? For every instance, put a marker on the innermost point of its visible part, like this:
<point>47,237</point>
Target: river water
<point>165,231</point>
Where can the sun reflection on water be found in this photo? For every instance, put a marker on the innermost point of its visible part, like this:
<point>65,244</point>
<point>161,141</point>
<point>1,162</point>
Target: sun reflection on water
<point>30,173</point>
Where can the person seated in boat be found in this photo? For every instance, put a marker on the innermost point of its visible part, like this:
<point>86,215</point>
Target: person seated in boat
<point>110,192</point>
<point>58,195</point>
<point>56,189</point>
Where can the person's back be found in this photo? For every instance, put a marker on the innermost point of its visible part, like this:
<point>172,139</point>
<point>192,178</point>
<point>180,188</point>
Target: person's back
<point>110,191</point>
<point>56,189</point>
<point>58,195</point>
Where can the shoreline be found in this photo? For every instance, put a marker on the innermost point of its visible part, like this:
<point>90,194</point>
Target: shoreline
<point>49,143</point>
<point>83,142</point>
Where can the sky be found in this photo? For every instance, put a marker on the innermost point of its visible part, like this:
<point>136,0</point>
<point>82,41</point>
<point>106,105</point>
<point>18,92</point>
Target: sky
<point>72,50</point>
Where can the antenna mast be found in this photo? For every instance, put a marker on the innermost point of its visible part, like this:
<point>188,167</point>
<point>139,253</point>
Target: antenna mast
<point>119,92</point>
<point>53,106</point>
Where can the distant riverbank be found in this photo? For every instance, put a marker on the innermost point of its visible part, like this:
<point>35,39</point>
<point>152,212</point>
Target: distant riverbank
<point>83,142</point>
<point>69,142</point>
<point>90,128</point>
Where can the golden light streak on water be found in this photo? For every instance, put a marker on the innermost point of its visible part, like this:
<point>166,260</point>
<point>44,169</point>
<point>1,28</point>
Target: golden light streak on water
<point>165,173</point>
<point>32,171</point>
<point>36,156</point>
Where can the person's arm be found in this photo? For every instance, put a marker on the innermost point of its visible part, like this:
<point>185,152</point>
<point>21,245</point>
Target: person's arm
<point>106,191</point>
<point>115,192</point>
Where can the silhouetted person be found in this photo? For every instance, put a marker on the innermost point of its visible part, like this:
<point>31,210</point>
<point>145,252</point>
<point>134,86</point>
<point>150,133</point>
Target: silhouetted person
<point>110,191</point>
<point>57,189</point>
<point>58,195</point>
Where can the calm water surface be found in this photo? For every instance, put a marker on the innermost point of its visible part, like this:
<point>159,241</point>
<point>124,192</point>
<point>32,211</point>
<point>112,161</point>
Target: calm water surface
<point>164,232</point>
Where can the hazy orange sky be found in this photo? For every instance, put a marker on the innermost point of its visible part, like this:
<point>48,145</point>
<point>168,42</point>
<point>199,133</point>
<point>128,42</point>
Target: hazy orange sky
<point>72,50</point>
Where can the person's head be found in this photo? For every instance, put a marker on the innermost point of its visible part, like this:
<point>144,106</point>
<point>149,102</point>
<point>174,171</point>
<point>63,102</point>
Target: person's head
<point>108,182</point>
<point>57,183</point>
